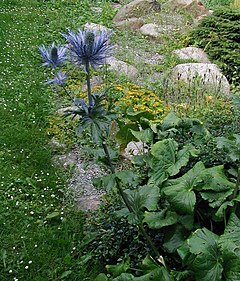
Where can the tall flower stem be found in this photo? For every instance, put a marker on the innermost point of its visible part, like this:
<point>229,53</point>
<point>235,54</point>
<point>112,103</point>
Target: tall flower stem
<point>236,190</point>
<point>87,68</point>
<point>158,257</point>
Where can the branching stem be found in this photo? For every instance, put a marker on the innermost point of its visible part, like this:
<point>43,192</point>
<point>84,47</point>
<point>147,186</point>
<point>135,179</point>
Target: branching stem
<point>158,258</point>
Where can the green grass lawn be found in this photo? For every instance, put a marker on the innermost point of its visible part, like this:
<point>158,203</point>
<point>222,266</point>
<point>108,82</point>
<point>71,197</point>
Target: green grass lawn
<point>40,236</point>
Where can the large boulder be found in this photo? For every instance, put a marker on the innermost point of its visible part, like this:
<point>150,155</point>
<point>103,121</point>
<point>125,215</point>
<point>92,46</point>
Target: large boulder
<point>122,68</point>
<point>194,7</point>
<point>192,53</point>
<point>205,75</point>
<point>136,8</point>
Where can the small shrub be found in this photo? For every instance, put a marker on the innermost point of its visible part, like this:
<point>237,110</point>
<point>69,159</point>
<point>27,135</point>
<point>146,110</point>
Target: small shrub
<point>218,35</point>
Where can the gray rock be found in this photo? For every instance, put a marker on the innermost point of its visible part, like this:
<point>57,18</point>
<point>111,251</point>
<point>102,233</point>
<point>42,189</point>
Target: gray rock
<point>132,24</point>
<point>193,53</point>
<point>122,67</point>
<point>97,27</point>
<point>136,8</point>
<point>134,148</point>
<point>150,29</point>
<point>154,30</point>
<point>209,74</point>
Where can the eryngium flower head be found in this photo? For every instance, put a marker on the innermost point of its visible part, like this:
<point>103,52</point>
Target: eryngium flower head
<point>53,55</point>
<point>88,47</point>
<point>59,79</point>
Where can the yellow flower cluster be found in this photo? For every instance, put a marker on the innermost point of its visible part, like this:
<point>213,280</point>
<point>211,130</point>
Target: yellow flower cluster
<point>138,99</point>
<point>134,98</point>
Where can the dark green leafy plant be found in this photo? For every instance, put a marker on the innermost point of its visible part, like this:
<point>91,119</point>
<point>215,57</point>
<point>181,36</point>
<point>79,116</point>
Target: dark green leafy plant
<point>188,205</point>
<point>222,42</point>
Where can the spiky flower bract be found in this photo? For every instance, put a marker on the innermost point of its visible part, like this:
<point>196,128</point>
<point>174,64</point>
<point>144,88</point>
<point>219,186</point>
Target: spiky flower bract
<point>54,55</point>
<point>59,79</point>
<point>88,47</point>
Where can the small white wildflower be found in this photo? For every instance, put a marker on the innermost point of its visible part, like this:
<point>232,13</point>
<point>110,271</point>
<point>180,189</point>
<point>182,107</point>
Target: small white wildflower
<point>26,267</point>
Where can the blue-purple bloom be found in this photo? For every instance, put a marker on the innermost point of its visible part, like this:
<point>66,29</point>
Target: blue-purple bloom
<point>53,55</point>
<point>88,47</point>
<point>59,79</point>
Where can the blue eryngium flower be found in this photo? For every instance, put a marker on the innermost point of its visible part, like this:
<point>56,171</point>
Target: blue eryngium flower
<point>53,55</point>
<point>59,79</point>
<point>88,47</point>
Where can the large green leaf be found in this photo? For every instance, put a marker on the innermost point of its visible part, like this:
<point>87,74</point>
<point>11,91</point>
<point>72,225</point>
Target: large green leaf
<point>201,239</point>
<point>128,177</point>
<point>216,189</point>
<point>145,136</point>
<point>170,121</point>
<point>156,220</point>
<point>181,197</point>
<point>216,180</point>
<point>149,195</point>
<point>167,160</point>
<point>216,199</point>
<point>145,197</point>
<point>157,173</point>
<point>225,205</point>
<point>174,238</point>
<point>232,146</point>
<point>230,240</point>
<point>119,268</point>
<point>231,266</point>
<point>179,192</point>
<point>124,135</point>
<point>208,262</point>
<point>208,266</point>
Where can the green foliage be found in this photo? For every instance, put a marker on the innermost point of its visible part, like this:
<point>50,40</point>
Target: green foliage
<point>213,4</point>
<point>231,146</point>
<point>189,204</point>
<point>220,42</point>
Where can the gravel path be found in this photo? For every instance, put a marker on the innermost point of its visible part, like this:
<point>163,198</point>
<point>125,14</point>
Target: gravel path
<point>86,196</point>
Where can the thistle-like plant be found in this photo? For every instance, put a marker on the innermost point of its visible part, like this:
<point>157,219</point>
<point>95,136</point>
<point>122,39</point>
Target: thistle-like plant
<point>90,49</point>
<point>54,55</point>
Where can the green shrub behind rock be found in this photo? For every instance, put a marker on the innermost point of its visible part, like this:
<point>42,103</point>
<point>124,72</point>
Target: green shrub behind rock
<point>218,35</point>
